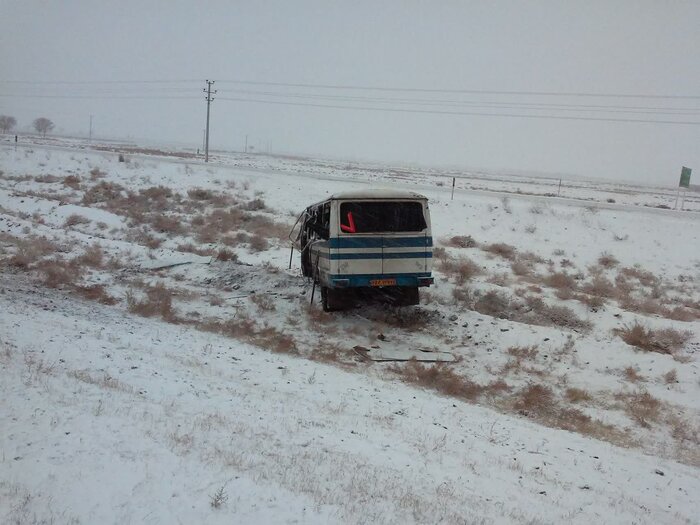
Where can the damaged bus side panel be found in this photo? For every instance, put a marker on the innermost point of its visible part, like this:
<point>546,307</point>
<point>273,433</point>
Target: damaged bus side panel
<point>370,243</point>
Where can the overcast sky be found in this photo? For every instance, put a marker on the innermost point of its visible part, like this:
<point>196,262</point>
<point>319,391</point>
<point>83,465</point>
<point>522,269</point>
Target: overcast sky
<point>449,72</point>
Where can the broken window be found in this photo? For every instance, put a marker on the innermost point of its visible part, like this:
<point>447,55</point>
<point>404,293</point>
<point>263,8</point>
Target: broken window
<point>375,217</point>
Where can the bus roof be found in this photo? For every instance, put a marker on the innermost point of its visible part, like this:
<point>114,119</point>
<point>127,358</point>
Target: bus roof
<point>381,194</point>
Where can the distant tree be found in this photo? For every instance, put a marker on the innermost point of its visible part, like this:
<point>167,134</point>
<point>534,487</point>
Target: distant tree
<point>43,125</point>
<point>7,123</point>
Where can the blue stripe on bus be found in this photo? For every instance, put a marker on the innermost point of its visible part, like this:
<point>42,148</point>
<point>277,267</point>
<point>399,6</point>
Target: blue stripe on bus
<point>379,242</point>
<point>376,255</point>
<point>363,280</point>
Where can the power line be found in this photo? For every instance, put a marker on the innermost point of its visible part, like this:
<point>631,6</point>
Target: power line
<point>469,91</point>
<point>364,88</point>
<point>485,104</point>
<point>470,113</point>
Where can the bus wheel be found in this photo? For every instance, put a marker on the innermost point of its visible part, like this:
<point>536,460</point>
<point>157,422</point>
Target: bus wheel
<point>407,296</point>
<point>330,299</point>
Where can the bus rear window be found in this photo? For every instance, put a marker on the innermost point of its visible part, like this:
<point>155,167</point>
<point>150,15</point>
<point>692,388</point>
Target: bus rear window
<point>375,217</point>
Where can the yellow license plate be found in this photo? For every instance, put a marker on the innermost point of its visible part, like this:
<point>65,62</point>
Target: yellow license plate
<point>382,282</point>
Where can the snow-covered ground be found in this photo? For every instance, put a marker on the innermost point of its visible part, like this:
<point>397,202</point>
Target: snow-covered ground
<point>235,381</point>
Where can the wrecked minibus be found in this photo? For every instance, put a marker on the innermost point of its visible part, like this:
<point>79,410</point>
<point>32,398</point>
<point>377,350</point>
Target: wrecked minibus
<point>362,243</point>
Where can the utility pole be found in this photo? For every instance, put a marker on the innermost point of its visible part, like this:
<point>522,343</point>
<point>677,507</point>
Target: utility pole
<point>209,99</point>
<point>90,139</point>
<point>246,143</point>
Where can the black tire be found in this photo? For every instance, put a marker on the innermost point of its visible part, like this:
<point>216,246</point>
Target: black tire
<point>407,296</point>
<point>331,299</point>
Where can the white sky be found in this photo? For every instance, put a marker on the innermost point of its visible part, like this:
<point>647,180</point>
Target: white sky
<point>603,47</point>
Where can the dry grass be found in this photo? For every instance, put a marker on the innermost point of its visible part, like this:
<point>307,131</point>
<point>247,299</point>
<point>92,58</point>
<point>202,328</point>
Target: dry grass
<point>462,269</point>
<point>158,301</point>
<point>461,241</point>
<point>644,277</point>
<point>670,377</point>
<point>72,181</point>
<point>642,407</point>
<point>663,341</point>
<point>607,260</point>
<point>59,273</point>
<point>103,192</point>
<point>263,302</point>
<point>438,377</point>
<point>93,257</point>
<point>533,310</point>
<point>561,280</point>
<point>96,173</point>
<point>258,243</point>
<point>46,179</point>
<point>104,380</point>
<point>502,250</point>
<point>535,398</point>
<point>226,255</point>
<point>167,224</point>
<point>29,251</point>
<point>522,268</point>
<point>632,374</point>
<point>245,329</point>
<point>577,395</point>
<point>96,292</point>
<point>74,220</point>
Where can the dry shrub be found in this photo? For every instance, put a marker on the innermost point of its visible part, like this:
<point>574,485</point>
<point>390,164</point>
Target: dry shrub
<point>521,267</point>
<point>501,279</point>
<point>191,248</point>
<point>92,257</point>
<point>226,255</point>
<point>158,301</point>
<point>462,296</point>
<point>523,352</point>
<point>58,273</point>
<point>167,224</point>
<point>592,301</point>
<point>200,194</point>
<point>263,302</point>
<point>607,260</point>
<point>440,378</point>
<point>440,253</point>
<point>632,374</point>
<point>74,220</point>
<point>144,238</point>
<point>642,407</point>
<point>644,277</point>
<point>461,269</point>
<point>103,192</point>
<point>663,341</point>
<point>96,173</point>
<point>535,398</point>
<point>560,280</point>
<point>104,381</point>
<point>556,315</point>
<point>600,286</point>
<point>461,241</point>
<point>96,292</point>
<point>576,395</point>
<point>329,353</point>
<point>533,310</point>
<point>566,263</point>
<point>46,178</point>
<point>245,329</point>
<point>30,250</point>
<point>494,304</point>
<point>671,377</point>
<point>502,250</point>
<point>254,205</point>
<point>258,243</point>
<point>72,181</point>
